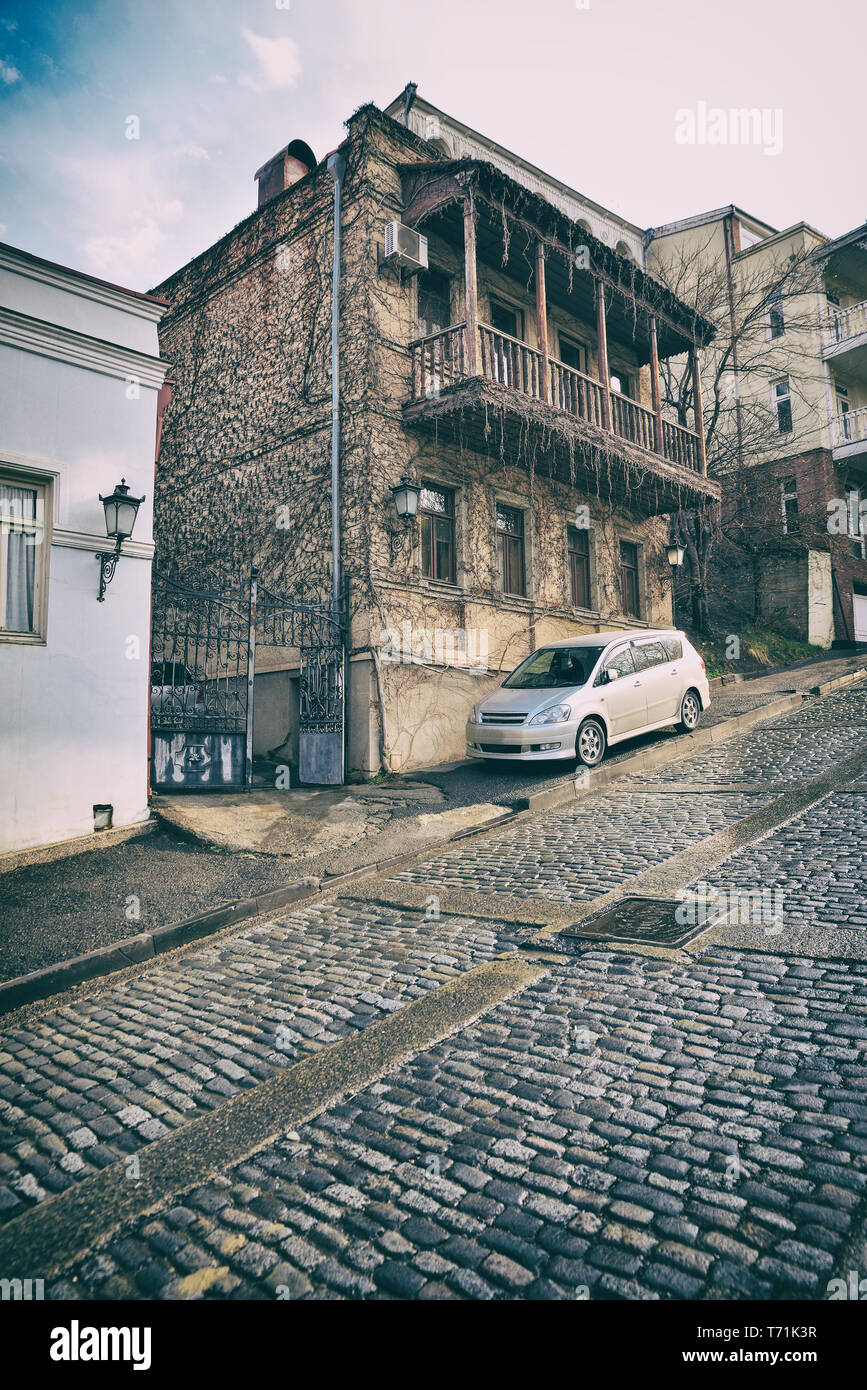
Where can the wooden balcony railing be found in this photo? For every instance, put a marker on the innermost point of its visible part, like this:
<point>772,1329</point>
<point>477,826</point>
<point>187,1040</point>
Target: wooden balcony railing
<point>848,323</point>
<point>850,427</point>
<point>440,360</point>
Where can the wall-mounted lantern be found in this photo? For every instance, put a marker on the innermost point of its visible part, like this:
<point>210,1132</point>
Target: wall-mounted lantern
<point>406,495</point>
<point>121,511</point>
<point>675,554</point>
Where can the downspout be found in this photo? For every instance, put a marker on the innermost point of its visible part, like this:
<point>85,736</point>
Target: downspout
<point>337,168</point>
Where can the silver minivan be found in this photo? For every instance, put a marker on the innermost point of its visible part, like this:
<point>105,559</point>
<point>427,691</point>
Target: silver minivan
<point>577,697</point>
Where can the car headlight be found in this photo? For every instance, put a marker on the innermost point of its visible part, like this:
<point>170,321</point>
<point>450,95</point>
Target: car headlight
<point>557,714</point>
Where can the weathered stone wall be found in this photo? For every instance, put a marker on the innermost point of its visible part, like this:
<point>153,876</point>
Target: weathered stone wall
<point>244,472</point>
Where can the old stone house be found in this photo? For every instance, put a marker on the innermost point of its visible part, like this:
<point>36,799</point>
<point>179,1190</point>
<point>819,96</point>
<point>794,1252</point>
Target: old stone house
<point>514,381</point>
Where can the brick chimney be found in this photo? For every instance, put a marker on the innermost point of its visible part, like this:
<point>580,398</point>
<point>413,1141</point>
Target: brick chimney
<point>286,168</point>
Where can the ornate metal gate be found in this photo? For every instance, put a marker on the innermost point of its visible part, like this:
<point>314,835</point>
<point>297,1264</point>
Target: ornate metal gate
<point>303,619</point>
<point>204,637</point>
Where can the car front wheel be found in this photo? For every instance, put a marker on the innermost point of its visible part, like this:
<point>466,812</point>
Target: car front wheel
<point>590,743</point>
<point>690,711</point>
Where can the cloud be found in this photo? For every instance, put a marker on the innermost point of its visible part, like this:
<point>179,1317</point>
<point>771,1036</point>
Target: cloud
<point>278,59</point>
<point>8,73</point>
<point>192,151</point>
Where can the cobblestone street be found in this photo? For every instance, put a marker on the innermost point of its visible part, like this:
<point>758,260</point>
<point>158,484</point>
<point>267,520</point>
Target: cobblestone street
<point>629,1122</point>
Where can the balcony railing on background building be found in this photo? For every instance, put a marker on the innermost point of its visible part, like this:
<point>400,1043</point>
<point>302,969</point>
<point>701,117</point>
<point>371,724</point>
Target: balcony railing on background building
<point>850,427</point>
<point>847,323</point>
<point>440,360</point>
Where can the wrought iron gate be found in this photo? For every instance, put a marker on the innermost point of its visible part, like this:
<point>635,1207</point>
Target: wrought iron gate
<point>204,637</point>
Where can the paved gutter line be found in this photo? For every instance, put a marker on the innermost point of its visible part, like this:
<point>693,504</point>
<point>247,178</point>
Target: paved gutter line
<point>52,980</point>
<point>63,1228</point>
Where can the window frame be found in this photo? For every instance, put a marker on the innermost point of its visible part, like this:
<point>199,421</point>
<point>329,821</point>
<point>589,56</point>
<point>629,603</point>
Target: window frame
<point>516,309</point>
<point>433,270</point>
<point>789,494</point>
<point>572,342</point>
<point>622,375</point>
<point>776,316</point>
<point>430,517</point>
<point>784,399</point>
<point>42,483</point>
<point>585,558</point>
<point>633,569</point>
<point>504,559</point>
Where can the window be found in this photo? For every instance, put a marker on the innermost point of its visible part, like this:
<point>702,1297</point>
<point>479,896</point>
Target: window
<point>510,549</point>
<point>791,521</point>
<point>572,354</point>
<point>621,662</point>
<point>434,302</point>
<point>853,511</point>
<point>437,511</point>
<point>647,654</point>
<point>841,395</point>
<point>783,406</point>
<point>629,578</point>
<point>621,383</point>
<point>673,648</point>
<point>24,553</point>
<point>776,317</point>
<point>505,318</point>
<point>578,542</point>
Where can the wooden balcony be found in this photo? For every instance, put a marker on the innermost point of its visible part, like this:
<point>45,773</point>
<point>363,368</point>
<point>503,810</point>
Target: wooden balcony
<point>442,387</point>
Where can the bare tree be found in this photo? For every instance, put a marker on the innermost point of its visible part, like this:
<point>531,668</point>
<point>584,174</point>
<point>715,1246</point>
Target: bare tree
<point>766,314</point>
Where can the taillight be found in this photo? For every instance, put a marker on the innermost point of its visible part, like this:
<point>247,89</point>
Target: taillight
<point>701,659</point>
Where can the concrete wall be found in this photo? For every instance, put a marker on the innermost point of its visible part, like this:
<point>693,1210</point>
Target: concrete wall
<point>74,702</point>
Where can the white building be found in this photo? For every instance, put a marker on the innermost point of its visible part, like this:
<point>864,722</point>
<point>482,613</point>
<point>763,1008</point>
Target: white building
<point>80,391</point>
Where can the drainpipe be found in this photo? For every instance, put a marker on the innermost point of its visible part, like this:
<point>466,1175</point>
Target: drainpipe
<point>337,168</point>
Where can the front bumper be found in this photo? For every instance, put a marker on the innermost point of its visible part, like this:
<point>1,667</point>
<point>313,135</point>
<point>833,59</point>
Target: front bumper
<point>521,743</point>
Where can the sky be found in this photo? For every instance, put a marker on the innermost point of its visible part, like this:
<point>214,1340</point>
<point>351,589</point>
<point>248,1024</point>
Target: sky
<point>130,132</point>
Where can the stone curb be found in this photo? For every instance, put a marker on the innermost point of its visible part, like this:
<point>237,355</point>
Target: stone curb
<point>105,960</point>
<point>53,979</point>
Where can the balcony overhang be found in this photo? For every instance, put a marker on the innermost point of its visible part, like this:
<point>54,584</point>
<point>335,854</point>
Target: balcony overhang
<point>511,220</point>
<point>508,427</point>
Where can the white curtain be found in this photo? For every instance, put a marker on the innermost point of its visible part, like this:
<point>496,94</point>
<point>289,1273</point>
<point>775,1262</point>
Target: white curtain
<point>18,519</point>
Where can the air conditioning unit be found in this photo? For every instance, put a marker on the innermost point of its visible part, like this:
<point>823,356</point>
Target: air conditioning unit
<point>405,247</point>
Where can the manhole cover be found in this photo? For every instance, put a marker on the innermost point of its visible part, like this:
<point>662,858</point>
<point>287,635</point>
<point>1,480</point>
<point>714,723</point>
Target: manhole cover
<point>658,921</point>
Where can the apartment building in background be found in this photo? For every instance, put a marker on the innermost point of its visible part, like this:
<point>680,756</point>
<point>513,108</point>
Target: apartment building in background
<point>500,341</point>
<point>791,447</point>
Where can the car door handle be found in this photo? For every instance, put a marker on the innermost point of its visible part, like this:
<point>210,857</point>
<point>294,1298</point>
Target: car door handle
<point>637,682</point>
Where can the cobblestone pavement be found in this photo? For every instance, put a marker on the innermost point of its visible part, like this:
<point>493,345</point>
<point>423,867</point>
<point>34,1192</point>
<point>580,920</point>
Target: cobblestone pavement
<point>628,1128</point>
<point>92,1082</point>
<point>636,1125</point>
<point>817,862</point>
<point>576,854</point>
<point>843,706</point>
<point>787,752</point>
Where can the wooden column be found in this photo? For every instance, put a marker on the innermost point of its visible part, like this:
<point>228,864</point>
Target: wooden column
<point>542,323</point>
<point>699,414</point>
<point>471,288</point>
<point>602,354</point>
<point>655,394</point>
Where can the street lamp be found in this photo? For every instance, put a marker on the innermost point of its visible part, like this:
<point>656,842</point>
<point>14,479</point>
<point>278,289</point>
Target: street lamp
<point>675,554</point>
<point>120,514</point>
<point>406,494</point>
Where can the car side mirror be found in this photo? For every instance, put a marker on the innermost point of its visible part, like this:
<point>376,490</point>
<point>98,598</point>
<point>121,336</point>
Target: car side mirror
<point>610,674</point>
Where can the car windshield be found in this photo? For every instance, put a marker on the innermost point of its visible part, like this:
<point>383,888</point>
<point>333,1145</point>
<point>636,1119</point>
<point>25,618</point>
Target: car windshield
<point>552,668</point>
